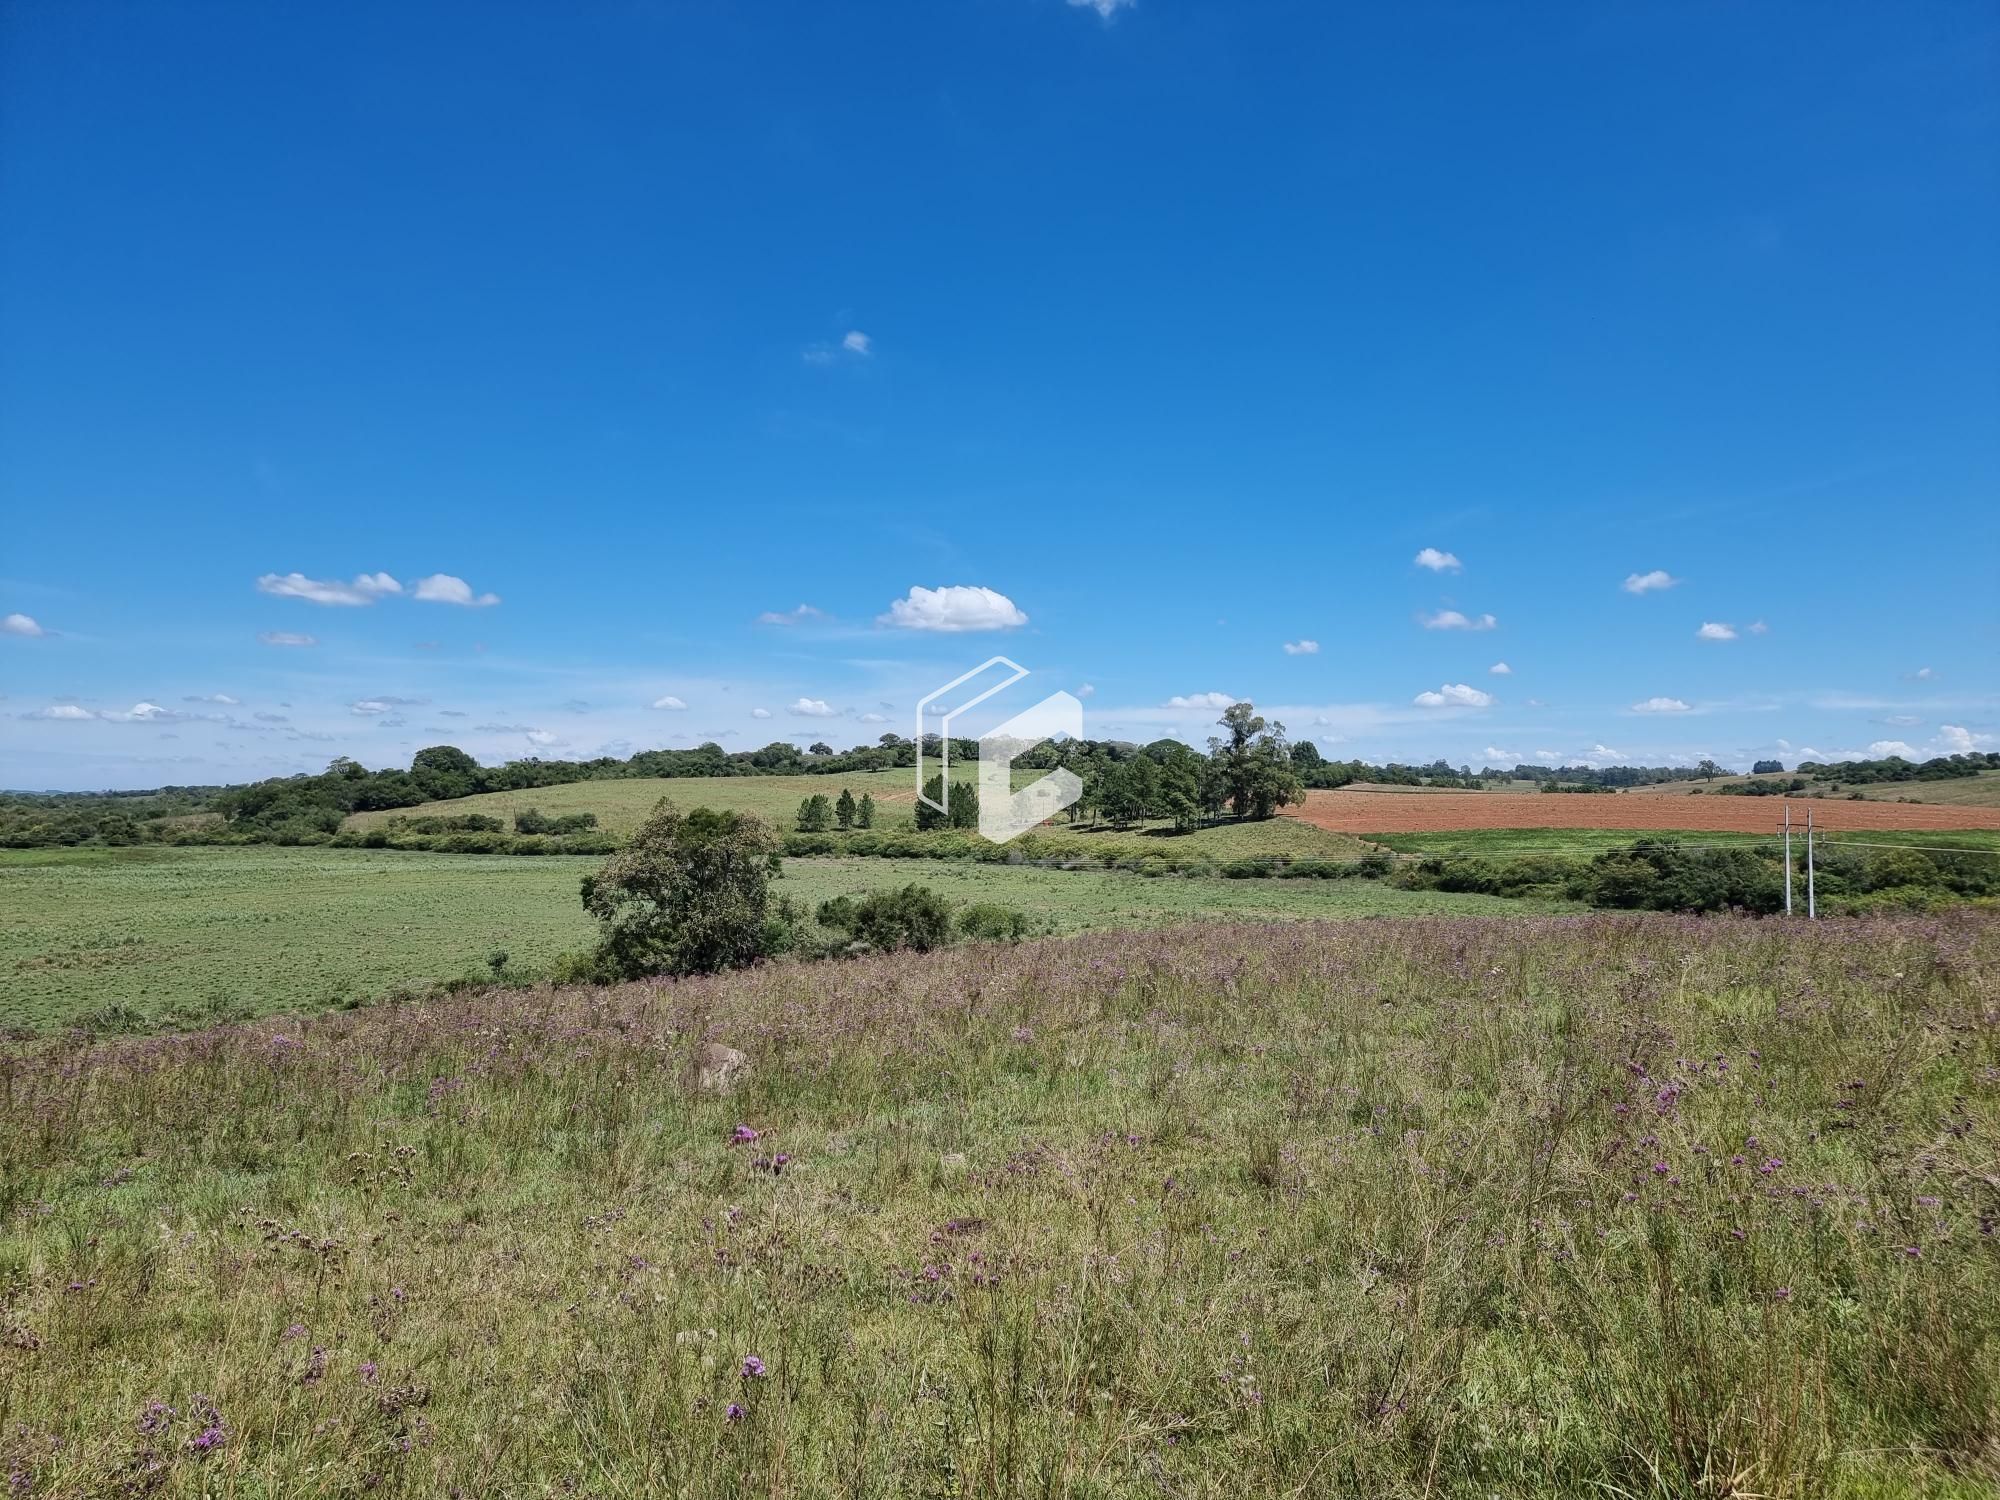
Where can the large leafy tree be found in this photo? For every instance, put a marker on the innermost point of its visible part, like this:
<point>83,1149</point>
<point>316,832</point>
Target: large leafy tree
<point>443,771</point>
<point>1253,763</point>
<point>688,894</point>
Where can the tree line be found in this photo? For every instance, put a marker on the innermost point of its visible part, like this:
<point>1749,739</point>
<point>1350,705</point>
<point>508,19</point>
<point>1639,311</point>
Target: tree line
<point>1250,770</point>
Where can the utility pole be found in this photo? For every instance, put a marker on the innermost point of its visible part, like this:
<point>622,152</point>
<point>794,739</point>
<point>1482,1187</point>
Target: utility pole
<point>1788,858</point>
<point>1812,904</point>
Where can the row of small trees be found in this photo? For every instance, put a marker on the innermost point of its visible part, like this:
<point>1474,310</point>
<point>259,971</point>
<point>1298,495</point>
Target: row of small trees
<point>1249,772</point>
<point>818,813</point>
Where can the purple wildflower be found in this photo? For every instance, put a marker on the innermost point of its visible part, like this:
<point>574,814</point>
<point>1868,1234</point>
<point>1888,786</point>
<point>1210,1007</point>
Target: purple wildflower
<point>753,1367</point>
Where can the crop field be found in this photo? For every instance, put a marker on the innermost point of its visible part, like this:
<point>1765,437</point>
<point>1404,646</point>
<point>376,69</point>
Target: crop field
<point>1982,790</point>
<point>1367,813</point>
<point>180,934</point>
<point>1662,1207</point>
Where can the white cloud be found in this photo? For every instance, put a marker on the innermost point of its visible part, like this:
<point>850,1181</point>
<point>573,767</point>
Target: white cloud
<point>1646,583</point>
<point>874,718</point>
<point>1500,669</point>
<point>443,588</point>
<point>1958,740</point>
<point>1712,631</point>
<point>1086,690</point>
<point>1454,695</point>
<point>1451,619</point>
<point>222,698</point>
<point>956,607</point>
<point>1438,562</point>
<point>1497,756</point>
<point>1302,648</point>
<point>377,584</point>
<point>143,713</point>
<point>1892,747</point>
<point>21,625</point>
<point>63,711</point>
<point>854,344</point>
<point>1923,674</point>
<point>1200,700</point>
<point>502,728</point>
<point>317,590</point>
<point>670,701</point>
<point>1601,755</point>
<point>1660,706</point>
<point>798,616</point>
<point>1105,9</point>
<point>760,713</point>
<point>1758,627</point>
<point>542,738</point>
<point>286,638</point>
<point>811,708</point>
<point>370,706</point>
<point>1547,755</point>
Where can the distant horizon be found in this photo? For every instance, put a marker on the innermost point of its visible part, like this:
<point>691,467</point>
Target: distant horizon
<point>1476,769</point>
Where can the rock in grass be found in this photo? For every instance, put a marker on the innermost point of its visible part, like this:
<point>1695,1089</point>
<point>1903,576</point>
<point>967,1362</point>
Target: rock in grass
<point>718,1069</point>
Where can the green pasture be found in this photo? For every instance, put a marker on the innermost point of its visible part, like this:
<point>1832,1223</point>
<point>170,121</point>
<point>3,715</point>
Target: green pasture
<point>185,934</point>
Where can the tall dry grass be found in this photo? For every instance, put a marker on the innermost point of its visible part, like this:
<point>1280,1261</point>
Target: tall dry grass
<point>1573,1206</point>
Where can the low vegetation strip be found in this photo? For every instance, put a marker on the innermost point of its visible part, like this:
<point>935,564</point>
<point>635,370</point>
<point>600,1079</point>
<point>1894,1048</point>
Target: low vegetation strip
<point>1572,1206</point>
<point>1366,813</point>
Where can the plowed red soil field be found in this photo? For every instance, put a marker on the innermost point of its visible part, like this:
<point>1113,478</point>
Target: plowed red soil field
<point>1436,812</point>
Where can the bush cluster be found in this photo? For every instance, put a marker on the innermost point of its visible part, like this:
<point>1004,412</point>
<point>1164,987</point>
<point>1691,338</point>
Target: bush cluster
<point>1665,875</point>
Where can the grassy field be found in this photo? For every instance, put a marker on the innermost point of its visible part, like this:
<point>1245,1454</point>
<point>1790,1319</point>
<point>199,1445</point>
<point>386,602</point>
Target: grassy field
<point>1982,790</point>
<point>621,805</point>
<point>1584,1206</point>
<point>187,933</point>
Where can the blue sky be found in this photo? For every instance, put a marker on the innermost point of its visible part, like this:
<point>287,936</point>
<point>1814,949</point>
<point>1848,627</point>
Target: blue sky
<point>1183,326</point>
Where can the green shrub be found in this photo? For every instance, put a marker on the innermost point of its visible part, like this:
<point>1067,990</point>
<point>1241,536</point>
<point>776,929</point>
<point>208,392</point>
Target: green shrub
<point>915,917</point>
<point>686,895</point>
<point>986,921</point>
